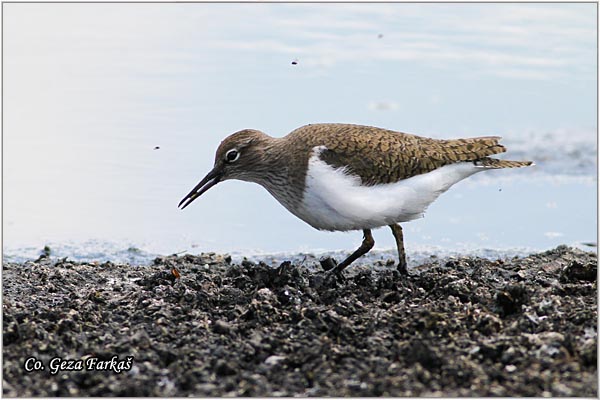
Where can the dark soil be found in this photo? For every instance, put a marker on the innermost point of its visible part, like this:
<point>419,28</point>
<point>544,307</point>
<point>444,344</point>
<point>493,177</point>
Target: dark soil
<point>200,326</point>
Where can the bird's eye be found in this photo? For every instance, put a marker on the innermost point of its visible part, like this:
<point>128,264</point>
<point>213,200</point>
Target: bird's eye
<point>232,155</point>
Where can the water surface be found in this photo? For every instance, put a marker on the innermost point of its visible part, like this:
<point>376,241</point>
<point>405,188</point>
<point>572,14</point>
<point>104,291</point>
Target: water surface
<point>108,122</point>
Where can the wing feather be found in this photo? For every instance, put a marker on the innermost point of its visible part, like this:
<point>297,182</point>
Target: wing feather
<point>382,156</point>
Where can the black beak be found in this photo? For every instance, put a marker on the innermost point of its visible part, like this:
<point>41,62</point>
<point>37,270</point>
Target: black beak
<point>210,180</point>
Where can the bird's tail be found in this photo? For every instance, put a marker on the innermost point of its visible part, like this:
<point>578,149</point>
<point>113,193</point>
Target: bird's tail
<point>488,162</point>
<point>478,150</point>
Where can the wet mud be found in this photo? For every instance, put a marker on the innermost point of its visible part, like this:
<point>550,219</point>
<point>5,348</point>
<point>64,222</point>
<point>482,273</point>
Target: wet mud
<point>202,326</point>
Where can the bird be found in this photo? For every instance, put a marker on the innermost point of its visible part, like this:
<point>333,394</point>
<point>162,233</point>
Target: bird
<point>346,177</point>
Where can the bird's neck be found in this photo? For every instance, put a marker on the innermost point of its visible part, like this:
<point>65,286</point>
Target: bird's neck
<point>280,175</point>
<point>273,164</point>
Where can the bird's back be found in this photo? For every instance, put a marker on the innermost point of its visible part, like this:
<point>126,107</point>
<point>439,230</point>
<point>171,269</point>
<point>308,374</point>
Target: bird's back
<point>379,155</point>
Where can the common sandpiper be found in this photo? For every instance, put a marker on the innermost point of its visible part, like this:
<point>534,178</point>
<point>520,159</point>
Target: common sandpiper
<point>342,177</point>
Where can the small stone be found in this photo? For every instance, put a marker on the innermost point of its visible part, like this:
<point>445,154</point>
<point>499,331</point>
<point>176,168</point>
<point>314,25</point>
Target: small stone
<point>274,360</point>
<point>222,327</point>
<point>265,294</point>
<point>224,368</point>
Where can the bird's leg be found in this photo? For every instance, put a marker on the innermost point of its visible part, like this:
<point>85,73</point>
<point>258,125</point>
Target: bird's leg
<point>397,231</point>
<point>366,245</point>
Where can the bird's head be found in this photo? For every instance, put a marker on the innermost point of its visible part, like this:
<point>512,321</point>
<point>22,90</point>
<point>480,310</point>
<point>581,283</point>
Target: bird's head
<point>239,156</point>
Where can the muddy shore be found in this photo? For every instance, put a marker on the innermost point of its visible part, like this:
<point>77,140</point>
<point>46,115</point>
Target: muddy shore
<point>202,326</point>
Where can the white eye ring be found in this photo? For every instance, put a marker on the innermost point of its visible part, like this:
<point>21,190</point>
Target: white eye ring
<point>232,155</point>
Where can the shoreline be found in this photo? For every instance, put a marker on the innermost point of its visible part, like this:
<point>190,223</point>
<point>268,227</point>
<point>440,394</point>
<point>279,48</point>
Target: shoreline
<point>202,326</point>
<point>85,252</point>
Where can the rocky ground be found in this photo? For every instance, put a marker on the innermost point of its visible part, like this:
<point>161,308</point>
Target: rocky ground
<point>200,326</point>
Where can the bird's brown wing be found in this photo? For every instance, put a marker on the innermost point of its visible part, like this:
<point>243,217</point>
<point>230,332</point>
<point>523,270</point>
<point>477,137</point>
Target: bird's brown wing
<point>382,156</point>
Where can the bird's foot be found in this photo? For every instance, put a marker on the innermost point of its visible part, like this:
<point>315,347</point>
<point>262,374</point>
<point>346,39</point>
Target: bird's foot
<point>334,278</point>
<point>333,273</point>
<point>402,269</point>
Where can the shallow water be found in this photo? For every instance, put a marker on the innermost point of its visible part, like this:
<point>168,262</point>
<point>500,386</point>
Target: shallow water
<point>108,125</point>
<point>490,218</point>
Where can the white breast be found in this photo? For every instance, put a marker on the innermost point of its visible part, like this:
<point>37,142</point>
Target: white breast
<point>336,201</point>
